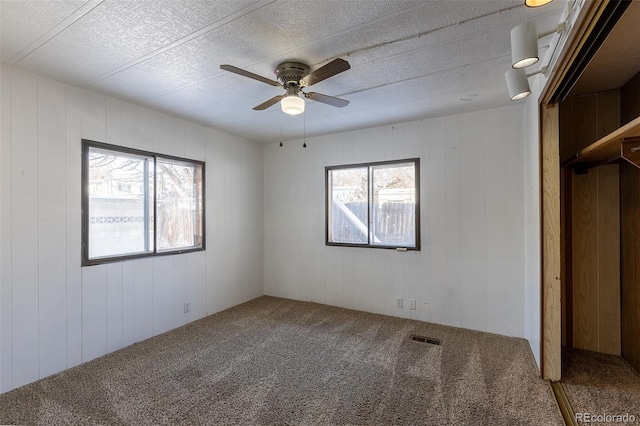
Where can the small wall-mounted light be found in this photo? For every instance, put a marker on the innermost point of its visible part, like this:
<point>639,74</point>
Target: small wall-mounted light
<point>524,45</point>
<point>536,3</point>
<point>292,105</point>
<point>524,52</point>
<point>518,84</point>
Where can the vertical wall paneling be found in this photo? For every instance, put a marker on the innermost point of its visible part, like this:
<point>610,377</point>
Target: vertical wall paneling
<point>335,276</point>
<point>496,224</point>
<point>24,220</point>
<point>362,280</point>
<point>379,297</point>
<point>128,304</point>
<point>94,279</point>
<point>56,314</point>
<point>418,263</point>
<point>113,117</point>
<point>587,118</point>
<point>72,196</point>
<point>115,306</point>
<point>473,254</point>
<point>182,286</point>
<point>225,181</point>
<point>396,276</point>
<point>94,114</point>
<point>200,298</point>
<point>143,299</point>
<point>347,296</point>
<point>94,312</point>
<point>5,230</point>
<point>630,231</point>
<point>532,221</point>
<point>126,124</point>
<point>163,294</point>
<point>591,254</point>
<point>452,220</point>
<point>585,265</point>
<point>513,299</point>
<point>469,193</point>
<point>609,259</point>
<point>212,230</point>
<point>51,228</point>
<point>434,208</point>
<point>307,229</point>
<point>630,100</point>
<point>319,252</point>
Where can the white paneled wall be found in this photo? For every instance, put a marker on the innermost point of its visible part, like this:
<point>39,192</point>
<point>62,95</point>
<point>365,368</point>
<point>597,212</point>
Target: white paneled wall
<point>55,314</point>
<point>533,265</point>
<point>470,272</point>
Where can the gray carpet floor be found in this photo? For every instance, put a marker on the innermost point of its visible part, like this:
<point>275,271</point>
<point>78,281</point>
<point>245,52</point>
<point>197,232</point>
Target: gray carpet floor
<point>273,361</point>
<point>600,384</point>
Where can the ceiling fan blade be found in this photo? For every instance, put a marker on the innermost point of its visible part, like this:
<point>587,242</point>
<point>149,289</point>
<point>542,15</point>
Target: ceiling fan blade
<point>329,100</point>
<point>244,73</point>
<point>329,70</point>
<point>268,103</point>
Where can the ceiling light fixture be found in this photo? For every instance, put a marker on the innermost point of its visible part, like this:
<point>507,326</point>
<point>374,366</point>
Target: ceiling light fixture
<point>292,105</point>
<point>536,3</point>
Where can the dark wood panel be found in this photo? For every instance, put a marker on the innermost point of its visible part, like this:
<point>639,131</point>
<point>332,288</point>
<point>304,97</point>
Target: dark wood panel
<point>587,118</point>
<point>608,112</point>
<point>567,145</point>
<point>630,262</point>
<point>584,116</point>
<point>608,259</point>
<point>596,260</point>
<point>585,261</point>
<point>566,251</point>
<point>630,100</point>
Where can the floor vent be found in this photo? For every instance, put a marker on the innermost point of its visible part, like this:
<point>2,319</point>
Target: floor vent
<point>425,339</point>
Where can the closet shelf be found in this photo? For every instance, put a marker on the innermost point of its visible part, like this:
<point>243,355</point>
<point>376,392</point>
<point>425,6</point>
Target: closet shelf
<point>609,148</point>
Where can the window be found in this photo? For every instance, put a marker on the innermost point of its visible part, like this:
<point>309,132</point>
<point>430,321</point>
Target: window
<point>137,203</point>
<point>374,204</point>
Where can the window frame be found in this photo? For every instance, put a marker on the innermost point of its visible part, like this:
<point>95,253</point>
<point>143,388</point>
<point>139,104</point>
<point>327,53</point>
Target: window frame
<point>86,261</point>
<point>369,166</point>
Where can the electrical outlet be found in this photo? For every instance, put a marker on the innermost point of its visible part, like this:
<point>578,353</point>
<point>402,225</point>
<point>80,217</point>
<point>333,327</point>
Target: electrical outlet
<point>187,307</point>
<point>399,302</point>
<point>412,304</point>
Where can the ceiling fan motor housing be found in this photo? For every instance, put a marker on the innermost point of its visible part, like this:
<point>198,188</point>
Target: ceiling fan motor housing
<point>290,74</point>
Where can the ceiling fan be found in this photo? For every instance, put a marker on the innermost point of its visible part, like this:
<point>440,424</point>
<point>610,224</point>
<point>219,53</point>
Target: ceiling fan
<point>293,77</point>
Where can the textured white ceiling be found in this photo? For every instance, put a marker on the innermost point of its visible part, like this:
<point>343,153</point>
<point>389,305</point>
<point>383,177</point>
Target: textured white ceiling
<point>409,59</point>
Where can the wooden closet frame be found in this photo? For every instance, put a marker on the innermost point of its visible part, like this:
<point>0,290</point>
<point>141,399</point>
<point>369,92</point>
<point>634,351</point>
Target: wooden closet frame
<point>550,238</point>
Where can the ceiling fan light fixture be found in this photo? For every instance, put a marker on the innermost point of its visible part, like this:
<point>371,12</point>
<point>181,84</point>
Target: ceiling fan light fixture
<point>517,84</point>
<point>524,45</point>
<point>536,3</point>
<point>292,105</point>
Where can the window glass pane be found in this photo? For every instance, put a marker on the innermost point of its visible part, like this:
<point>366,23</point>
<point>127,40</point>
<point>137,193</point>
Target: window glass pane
<point>348,215</point>
<point>393,205</point>
<point>119,203</point>
<point>179,212</point>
